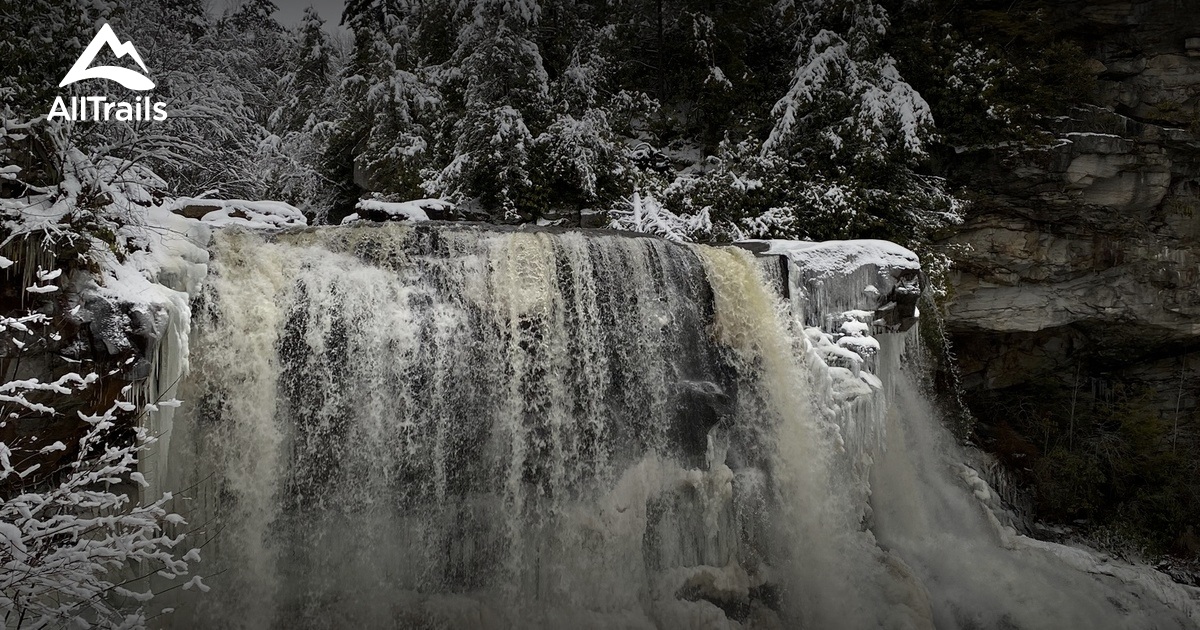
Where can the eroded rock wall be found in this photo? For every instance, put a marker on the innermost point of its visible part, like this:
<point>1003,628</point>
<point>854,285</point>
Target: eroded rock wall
<point>1077,267</point>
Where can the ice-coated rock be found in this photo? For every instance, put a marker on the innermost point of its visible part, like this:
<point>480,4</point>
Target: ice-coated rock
<point>830,278</point>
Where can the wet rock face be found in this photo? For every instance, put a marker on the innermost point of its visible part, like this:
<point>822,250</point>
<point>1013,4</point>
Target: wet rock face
<point>1150,51</point>
<point>115,333</point>
<point>1085,253</point>
<point>86,333</point>
<point>1108,170</point>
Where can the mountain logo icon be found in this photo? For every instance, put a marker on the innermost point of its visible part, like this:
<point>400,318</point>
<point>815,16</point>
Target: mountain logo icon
<point>131,79</point>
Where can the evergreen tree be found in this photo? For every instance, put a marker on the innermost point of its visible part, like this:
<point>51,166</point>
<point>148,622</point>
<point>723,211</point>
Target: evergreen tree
<point>187,18</point>
<point>52,35</point>
<point>504,92</point>
<point>299,127</point>
<point>381,138</point>
<point>256,55</point>
<point>579,159</point>
<point>847,100</point>
<point>255,17</point>
<point>840,154</point>
<point>308,76</point>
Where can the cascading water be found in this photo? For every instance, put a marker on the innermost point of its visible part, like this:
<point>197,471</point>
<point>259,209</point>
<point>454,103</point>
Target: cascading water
<point>934,510</point>
<point>449,426</point>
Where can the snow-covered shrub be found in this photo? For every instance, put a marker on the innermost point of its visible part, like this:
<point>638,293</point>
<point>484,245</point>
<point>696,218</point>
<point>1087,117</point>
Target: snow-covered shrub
<point>70,195</point>
<point>76,549</point>
<point>645,214</point>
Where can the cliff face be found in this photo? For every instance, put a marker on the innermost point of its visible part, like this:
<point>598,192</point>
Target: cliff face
<point>1078,267</point>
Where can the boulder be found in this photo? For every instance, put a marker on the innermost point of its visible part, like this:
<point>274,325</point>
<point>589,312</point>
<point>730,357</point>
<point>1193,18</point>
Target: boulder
<point>250,214</point>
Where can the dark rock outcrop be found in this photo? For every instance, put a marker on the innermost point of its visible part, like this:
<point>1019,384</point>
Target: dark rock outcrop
<point>1078,264</point>
<point>86,332</point>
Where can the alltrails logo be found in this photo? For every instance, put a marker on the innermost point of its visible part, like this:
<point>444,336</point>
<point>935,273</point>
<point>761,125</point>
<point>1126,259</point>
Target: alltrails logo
<point>96,108</point>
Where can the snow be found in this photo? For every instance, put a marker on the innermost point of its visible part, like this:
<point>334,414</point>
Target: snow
<point>415,210</point>
<point>859,344</point>
<point>249,214</point>
<point>645,214</point>
<point>848,387</point>
<point>855,327</point>
<point>1180,597</point>
<point>1087,134</point>
<point>167,266</point>
<point>829,258</point>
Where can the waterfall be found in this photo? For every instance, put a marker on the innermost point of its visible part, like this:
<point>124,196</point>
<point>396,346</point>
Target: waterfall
<point>451,426</point>
<point>933,509</point>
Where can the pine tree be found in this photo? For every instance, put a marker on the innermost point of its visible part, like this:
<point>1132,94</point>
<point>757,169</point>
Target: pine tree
<point>381,139</point>
<point>299,127</point>
<point>187,18</point>
<point>847,100</point>
<point>504,93</point>
<point>855,130</point>
<point>307,77</point>
<point>579,158</point>
<point>256,55</point>
<point>46,37</point>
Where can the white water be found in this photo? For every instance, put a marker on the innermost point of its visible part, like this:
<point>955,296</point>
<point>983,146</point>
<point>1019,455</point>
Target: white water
<point>933,510</point>
<point>410,427</point>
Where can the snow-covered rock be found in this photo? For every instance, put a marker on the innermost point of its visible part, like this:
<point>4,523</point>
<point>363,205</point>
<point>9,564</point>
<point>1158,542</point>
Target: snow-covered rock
<point>250,214</point>
<point>415,210</point>
<point>828,258</point>
<point>831,279</point>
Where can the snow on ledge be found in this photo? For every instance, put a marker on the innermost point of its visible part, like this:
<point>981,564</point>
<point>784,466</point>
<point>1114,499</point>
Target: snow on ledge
<point>241,212</point>
<point>415,210</point>
<point>828,258</point>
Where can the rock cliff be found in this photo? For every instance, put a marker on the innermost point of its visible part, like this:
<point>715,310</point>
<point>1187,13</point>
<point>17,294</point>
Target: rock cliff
<point>1077,267</point>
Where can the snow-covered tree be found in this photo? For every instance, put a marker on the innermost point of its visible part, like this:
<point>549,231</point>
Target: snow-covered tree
<point>307,76</point>
<point>842,155</point>
<point>580,159</point>
<point>188,18</point>
<point>45,38</point>
<point>388,98</point>
<point>505,93</point>
<point>299,127</point>
<point>847,101</point>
